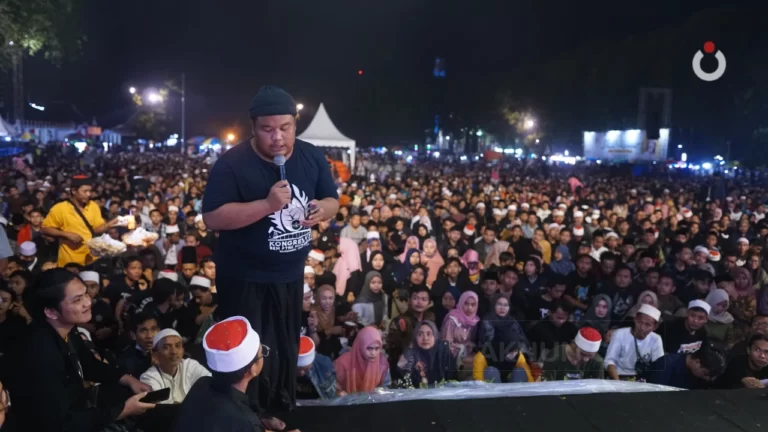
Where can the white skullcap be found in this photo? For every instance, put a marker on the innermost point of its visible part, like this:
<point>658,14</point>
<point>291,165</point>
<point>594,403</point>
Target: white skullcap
<point>700,304</point>
<point>173,209</point>
<point>309,270</point>
<point>650,311</point>
<point>28,249</point>
<point>200,281</point>
<point>164,333</point>
<point>89,276</point>
<point>171,229</point>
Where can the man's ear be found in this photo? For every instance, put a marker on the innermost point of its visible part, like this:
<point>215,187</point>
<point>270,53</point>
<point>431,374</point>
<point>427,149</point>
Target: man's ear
<point>133,336</point>
<point>52,314</point>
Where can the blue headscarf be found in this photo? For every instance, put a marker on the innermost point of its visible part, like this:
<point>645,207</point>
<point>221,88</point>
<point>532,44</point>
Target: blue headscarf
<point>405,267</point>
<point>564,266</point>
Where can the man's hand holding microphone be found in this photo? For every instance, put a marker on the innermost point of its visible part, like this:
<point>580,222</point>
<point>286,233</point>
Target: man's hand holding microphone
<point>279,195</point>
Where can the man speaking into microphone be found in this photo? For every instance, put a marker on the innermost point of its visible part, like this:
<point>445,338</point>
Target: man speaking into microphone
<point>265,235</point>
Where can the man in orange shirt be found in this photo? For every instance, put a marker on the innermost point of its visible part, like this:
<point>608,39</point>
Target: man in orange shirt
<point>74,222</point>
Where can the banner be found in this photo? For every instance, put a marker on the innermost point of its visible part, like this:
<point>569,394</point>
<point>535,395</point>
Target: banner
<point>627,145</point>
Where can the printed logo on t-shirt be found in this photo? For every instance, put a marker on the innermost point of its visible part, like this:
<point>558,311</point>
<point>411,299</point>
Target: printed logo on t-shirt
<point>689,348</point>
<point>286,234</point>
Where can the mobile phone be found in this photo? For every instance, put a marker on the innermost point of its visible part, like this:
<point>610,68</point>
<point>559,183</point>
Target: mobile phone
<point>157,396</point>
<point>311,210</point>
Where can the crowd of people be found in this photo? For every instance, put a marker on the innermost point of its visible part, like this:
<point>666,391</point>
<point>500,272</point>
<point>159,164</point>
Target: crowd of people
<point>429,273</point>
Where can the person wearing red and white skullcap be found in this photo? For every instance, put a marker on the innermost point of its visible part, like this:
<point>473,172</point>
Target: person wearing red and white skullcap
<point>235,355</point>
<point>315,377</point>
<point>576,360</point>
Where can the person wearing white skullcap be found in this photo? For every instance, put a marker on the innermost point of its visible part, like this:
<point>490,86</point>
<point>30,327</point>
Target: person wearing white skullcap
<point>576,360</point>
<point>686,335</point>
<point>207,301</point>
<point>309,276</point>
<point>315,375</point>
<point>28,254</point>
<point>172,370</point>
<point>621,358</point>
<point>235,354</point>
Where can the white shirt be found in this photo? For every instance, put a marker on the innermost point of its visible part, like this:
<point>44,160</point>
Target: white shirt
<point>595,253</point>
<point>171,257</point>
<point>189,372</point>
<point>622,353</point>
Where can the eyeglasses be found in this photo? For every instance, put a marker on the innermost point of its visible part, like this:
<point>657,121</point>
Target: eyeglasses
<point>264,352</point>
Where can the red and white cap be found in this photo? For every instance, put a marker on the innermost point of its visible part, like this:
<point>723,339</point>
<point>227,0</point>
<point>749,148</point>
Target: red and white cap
<point>317,255</point>
<point>306,351</point>
<point>714,255</point>
<point>469,230</point>
<point>231,345</point>
<point>168,274</point>
<point>588,339</point>
<point>687,213</point>
<point>578,230</point>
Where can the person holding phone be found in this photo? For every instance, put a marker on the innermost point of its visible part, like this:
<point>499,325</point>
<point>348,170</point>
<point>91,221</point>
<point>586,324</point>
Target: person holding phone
<point>53,362</point>
<point>264,196</point>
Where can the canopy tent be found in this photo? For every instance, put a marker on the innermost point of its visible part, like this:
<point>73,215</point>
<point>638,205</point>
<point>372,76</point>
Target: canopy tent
<point>322,133</point>
<point>6,129</point>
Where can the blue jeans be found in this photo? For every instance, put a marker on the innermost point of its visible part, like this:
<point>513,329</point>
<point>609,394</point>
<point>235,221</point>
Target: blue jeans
<point>493,375</point>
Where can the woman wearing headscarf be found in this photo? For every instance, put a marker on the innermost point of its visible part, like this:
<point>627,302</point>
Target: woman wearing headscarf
<point>413,258</point>
<point>720,324</point>
<point>646,297</point>
<point>329,319</point>
<point>432,260</point>
<point>363,368</point>
<point>445,303</point>
<point>429,360</point>
<point>562,264</point>
<point>460,326</point>
<point>371,304</point>
<point>744,306</point>
<point>598,316</point>
<point>497,249</point>
<point>411,243</point>
<point>422,232</point>
<point>471,261</point>
<point>504,345</point>
<point>347,268</point>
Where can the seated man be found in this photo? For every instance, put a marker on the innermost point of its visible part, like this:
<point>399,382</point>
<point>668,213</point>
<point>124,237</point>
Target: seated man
<point>136,359</point>
<point>53,364</point>
<point>688,371</point>
<point>171,369</point>
<point>748,370</point>
<point>633,349</point>
<point>316,377</point>
<point>234,352</point>
<point>576,360</point>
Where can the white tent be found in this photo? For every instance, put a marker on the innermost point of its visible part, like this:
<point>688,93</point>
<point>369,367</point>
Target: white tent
<point>6,129</point>
<point>322,133</point>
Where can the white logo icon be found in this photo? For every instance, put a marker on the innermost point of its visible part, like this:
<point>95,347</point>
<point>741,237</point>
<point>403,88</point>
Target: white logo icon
<point>287,234</point>
<point>709,48</point>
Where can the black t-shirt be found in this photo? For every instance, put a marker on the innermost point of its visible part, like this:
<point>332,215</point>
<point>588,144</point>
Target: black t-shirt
<point>538,309</point>
<point>305,390</point>
<point>581,288</point>
<point>738,369</point>
<point>677,338</point>
<point>273,249</point>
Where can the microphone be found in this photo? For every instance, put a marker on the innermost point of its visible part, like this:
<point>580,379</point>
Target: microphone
<point>279,160</point>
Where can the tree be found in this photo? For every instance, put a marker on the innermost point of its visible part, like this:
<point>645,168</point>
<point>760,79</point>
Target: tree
<point>522,122</point>
<point>153,119</point>
<point>50,27</point>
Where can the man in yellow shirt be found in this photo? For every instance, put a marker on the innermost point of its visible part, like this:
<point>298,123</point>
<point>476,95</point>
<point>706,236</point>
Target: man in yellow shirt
<point>74,229</point>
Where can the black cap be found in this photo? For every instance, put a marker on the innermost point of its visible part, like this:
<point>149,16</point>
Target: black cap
<point>271,101</point>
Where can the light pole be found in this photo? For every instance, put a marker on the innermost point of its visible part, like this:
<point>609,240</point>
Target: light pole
<point>154,98</point>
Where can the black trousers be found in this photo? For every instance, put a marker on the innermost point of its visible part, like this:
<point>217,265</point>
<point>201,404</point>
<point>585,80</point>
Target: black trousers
<point>274,311</point>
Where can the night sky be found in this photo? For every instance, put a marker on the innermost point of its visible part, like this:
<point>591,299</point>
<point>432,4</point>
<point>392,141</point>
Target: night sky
<point>229,48</point>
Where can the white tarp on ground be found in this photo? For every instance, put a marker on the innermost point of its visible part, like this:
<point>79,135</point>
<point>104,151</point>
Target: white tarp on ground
<point>323,133</point>
<point>482,390</point>
<point>6,129</point>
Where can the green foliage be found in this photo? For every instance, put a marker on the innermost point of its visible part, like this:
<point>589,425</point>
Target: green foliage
<point>50,27</point>
<point>153,119</point>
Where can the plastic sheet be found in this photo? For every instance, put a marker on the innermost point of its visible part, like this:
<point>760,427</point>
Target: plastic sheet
<point>480,390</point>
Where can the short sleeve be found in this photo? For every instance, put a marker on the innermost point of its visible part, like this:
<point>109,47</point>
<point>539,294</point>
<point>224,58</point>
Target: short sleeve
<point>221,188</point>
<point>54,219</point>
<point>326,187</point>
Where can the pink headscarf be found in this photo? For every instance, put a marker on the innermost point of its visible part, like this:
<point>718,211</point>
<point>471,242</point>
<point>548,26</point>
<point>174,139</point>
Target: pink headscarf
<point>469,256</point>
<point>347,264</point>
<point>433,263</point>
<point>356,374</point>
<point>385,213</point>
<point>458,313</point>
<point>402,256</point>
